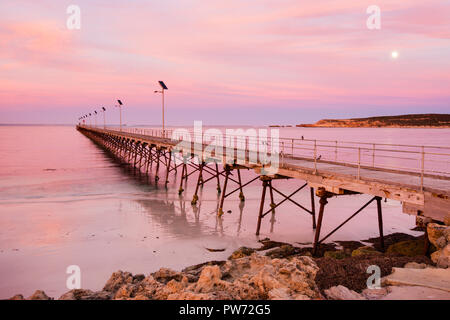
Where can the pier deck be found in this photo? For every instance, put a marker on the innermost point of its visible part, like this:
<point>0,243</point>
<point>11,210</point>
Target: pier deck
<point>428,195</point>
<point>331,169</point>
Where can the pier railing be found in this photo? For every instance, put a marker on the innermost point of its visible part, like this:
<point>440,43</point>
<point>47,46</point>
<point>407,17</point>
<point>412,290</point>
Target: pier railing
<point>420,161</point>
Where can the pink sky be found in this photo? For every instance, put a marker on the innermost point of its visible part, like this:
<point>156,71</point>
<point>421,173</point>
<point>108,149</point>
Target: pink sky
<point>225,62</point>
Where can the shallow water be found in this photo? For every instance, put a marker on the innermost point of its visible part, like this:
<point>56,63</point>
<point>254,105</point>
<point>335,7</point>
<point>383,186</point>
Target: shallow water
<point>64,202</point>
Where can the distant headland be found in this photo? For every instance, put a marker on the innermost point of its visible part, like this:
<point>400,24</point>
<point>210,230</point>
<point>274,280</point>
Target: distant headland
<point>430,120</point>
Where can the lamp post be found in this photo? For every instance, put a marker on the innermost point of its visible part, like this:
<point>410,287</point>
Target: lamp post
<point>90,120</point>
<point>164,87</point>
<point>120,110</point>
<point>95,117</point>
<point>104,118</point>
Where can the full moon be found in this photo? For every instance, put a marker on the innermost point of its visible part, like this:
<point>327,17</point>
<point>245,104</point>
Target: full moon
<point>394,54</point>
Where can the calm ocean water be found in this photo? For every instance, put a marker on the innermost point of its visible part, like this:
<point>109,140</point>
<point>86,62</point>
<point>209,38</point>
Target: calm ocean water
<point>64,202</point>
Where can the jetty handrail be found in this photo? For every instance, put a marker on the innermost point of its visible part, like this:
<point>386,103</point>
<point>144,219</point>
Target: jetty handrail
<point>362,155</point>
<point>168,133</point>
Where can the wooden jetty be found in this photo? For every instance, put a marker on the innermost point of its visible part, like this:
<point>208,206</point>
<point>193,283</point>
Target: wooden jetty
<point>328,168</point>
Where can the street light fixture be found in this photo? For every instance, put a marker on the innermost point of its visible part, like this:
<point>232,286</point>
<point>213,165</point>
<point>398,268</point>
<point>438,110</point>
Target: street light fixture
<point>120,110</point>
<point>95,114</point>
<point>164,87</point>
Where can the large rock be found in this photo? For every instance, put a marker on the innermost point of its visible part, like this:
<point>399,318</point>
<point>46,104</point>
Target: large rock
<point>193,272</point>
<point>117,280</point>
<point>164,275</point>
<point>254,277</point>
<point>442,257</point>
<point>210,279</point>
<point>415,293</point>
<point>148,288</point>
<point>439,236</point>
<point>434,278</point>
<point>39,295</point>
<point>435,231</point>
<point>343,293</point>
<point>447,220</point>
<point>250,278</point>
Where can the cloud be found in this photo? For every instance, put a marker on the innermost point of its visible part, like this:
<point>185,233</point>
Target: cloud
<point>224,54</point>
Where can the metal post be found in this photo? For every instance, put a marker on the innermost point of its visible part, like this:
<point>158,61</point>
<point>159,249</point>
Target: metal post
<point>183,173</point>
<point>422,168</point>
<point>149,155</point>
<point>323,201</point>
<point>222,198</point>
<point>195,197</point>
<point>380,222</point>
<point>120,110</point>
<point>272,201</point>
<point>141,151</point>
<point>158,153</point>
<point>241,193</point>
<point>168,167</point>
<point>135,147</point>
<point>313,208</point>
<point>315,156</point>
<point>163,112</point>
<point>261,207</point>
<point>218,178</point>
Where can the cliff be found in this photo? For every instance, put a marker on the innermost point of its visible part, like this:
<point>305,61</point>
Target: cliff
<point>430,120</point>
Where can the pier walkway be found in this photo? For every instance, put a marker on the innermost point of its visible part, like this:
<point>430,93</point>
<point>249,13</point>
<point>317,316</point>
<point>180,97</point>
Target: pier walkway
<point>418,176</point>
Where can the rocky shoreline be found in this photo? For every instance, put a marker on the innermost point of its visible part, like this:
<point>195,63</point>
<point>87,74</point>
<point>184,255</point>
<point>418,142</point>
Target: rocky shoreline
<point>279,270</point>
<point>401,121</point>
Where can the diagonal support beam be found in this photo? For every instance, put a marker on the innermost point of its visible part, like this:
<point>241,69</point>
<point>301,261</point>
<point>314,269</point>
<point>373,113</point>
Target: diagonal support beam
<point>286,198</point>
